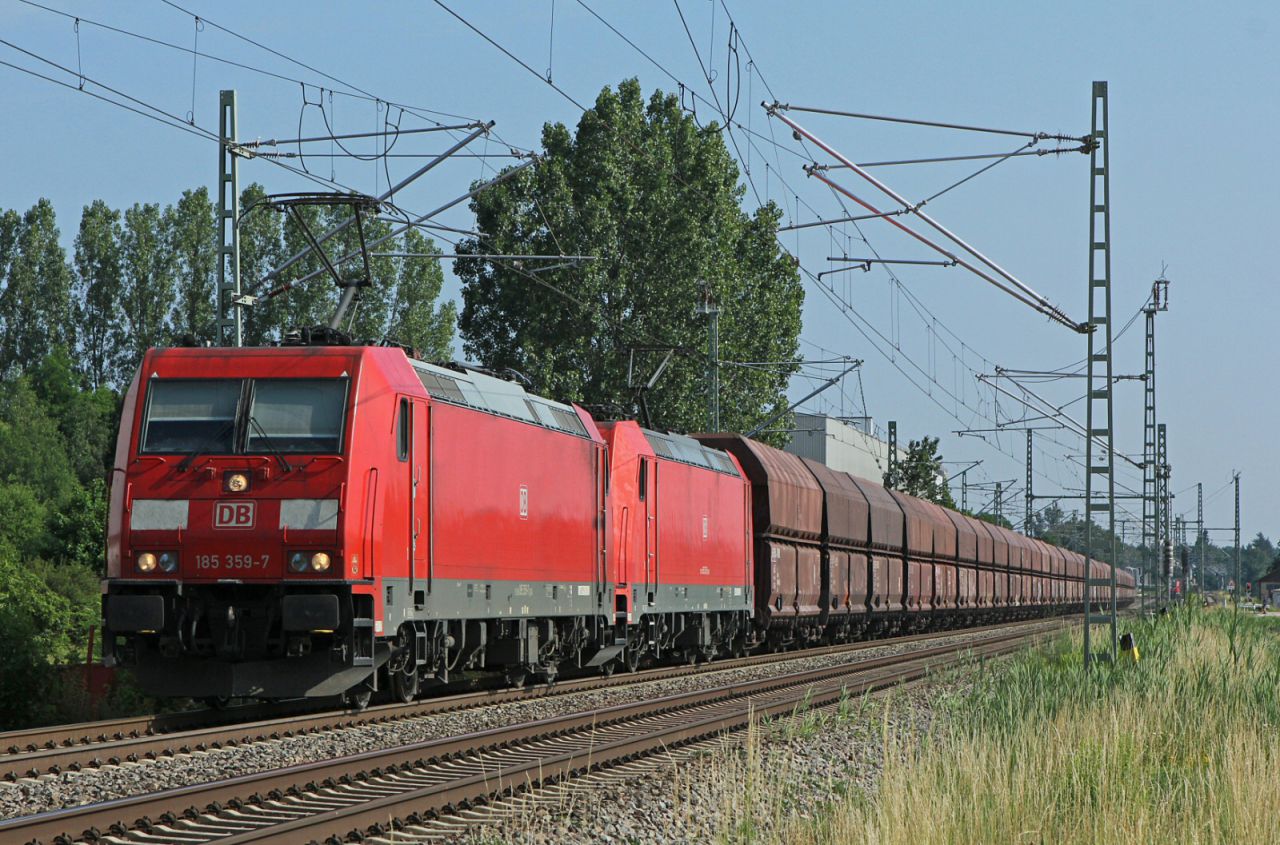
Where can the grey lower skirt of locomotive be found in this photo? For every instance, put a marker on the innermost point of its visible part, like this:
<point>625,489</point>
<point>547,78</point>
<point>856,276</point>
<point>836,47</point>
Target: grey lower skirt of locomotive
<point>223,641</point>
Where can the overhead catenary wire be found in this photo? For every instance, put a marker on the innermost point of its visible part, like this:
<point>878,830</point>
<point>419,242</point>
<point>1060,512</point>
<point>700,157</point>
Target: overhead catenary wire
<point>505,51</point>
<point>1036,136</point>
<point>143,108</point>
<point>414,109</point>
<point>955,158</point>
<point>274,142</point>
<point>299,63</point>
<point>1023,292</point>
<point>777,147</point>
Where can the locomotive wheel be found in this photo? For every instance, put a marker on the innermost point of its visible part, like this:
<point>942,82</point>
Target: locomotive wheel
<point>516,678</point>
<point>607,669</point>
<point>633,659</point>
<point>217,702</point>
<point>405,684</point>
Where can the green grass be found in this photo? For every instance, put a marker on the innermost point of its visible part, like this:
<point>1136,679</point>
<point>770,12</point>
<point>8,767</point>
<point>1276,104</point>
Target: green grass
<point>1183,747</point>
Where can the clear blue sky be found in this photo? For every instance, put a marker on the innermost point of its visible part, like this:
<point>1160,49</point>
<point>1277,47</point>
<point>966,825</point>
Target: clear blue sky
<point>1193,112</point>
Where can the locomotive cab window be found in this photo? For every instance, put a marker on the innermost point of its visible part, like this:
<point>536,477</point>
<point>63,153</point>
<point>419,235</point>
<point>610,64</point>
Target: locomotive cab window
<point>404,431</point>
<point>191,415</point>
<point>296,415</point>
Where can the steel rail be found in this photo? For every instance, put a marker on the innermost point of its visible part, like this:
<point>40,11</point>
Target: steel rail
<point>92,744</point>
<point>198,804</point>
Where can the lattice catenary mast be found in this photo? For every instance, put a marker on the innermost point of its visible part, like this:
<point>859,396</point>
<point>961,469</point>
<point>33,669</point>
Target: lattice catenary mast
<point>1099,414</point>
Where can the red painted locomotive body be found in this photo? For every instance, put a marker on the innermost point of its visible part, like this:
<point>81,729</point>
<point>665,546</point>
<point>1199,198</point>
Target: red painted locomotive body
<point>330,508</point>
<point>319,520</point>
<point>680,542</point>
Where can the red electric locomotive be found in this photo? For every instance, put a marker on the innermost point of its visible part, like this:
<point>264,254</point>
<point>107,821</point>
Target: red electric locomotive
<point>305,521</point>
<point>680,545</point>
<point>313,521</point>
<point>284,521</point>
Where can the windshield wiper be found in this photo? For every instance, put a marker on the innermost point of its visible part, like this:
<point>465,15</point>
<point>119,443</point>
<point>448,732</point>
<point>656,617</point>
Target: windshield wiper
<point>285,466</point>
<point>205,444</point>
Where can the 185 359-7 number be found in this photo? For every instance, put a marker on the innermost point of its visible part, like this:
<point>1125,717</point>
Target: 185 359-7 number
<point>232,562</point>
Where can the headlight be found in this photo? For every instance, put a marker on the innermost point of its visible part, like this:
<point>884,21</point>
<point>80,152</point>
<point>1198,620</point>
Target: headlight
<point>298,562</point>
<point>168,561</point>
<point>146,562</point>
<point>320,562</point>
<point>237,482</point>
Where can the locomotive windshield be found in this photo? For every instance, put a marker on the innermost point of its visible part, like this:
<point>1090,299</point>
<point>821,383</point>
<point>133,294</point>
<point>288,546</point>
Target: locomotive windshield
<point>244,416</point>
<point>186,416</point>
<point>296,415</point>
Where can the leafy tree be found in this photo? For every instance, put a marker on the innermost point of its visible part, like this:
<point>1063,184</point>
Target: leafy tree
<point>147,292</point>
<point>192,236</point>
<point>10,225</point>
<point>920,473</point>
<point>35,306</point>
<point>22,518</point>
<point>10,222</point>
<point>87,419</point>
<point>415,321</point>
<point>993,519</point>
<point>655,198</point>
<point>32,449</point>
<point>76,530</point>
<point>368,317</point>
<point>261,251</point>
<point>99,276</point>
<point>45,611</point>
<point>311,303</point>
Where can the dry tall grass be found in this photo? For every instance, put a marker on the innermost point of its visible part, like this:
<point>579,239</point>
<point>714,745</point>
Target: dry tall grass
<point>1182,748</point>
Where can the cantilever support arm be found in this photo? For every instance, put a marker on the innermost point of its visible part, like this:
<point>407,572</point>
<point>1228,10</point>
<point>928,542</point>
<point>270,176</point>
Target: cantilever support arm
<point>1007,281</point>
<point>388,194</point>
<point>796,404</point>
<point>400,230</point>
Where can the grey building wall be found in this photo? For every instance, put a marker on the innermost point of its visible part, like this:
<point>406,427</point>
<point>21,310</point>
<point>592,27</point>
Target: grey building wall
<point>843,446</point>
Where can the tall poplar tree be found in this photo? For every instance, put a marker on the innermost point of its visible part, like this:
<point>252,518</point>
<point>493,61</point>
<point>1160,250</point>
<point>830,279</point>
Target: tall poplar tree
<point>370,319</point>
<point>193,240</point>
<point>415,320</point>
<point>10,223</point>
<point>35,305</point>
<point>310,303</point>
<point>656,199</point>
<point>261,251</point>
<point>99,275</point>
<point>147,291</point>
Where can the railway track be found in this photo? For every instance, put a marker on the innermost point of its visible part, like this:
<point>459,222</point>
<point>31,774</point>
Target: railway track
<point>35,752</point>
<point>371,794</point>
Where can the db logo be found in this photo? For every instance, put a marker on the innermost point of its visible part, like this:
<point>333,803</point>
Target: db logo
<point>234,514</point>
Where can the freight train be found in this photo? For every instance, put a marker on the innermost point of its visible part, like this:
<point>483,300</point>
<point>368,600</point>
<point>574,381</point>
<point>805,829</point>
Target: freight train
<point>315,521</point>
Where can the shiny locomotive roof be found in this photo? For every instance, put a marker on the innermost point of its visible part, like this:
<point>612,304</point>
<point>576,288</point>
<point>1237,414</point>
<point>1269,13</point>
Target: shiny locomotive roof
<point>678,447</point>
<point>494,395</point>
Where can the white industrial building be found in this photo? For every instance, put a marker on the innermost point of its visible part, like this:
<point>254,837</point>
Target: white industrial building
<point>846,444</point>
